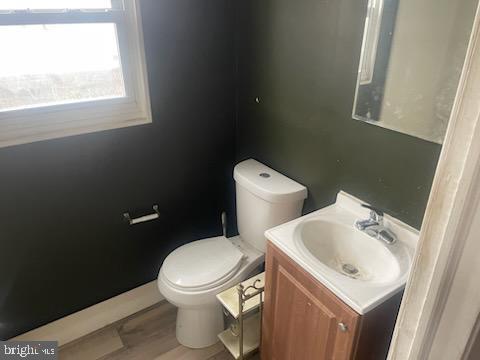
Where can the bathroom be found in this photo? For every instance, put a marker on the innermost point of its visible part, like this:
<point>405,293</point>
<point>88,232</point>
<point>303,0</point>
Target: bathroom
<point>219,82</point>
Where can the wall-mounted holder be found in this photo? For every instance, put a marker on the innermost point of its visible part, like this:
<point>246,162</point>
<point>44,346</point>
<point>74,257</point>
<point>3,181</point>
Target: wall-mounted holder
<point>144,218</point>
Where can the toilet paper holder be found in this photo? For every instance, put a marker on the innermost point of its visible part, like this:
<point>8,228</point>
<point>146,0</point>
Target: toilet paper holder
<point>144,218</point>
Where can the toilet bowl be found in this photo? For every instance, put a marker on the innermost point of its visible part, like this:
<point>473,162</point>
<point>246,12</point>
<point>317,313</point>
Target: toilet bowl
<point>190,279</point>
<point>192,275</point>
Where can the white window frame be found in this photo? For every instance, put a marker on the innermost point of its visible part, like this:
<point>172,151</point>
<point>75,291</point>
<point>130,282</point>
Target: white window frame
<point>55,121</point>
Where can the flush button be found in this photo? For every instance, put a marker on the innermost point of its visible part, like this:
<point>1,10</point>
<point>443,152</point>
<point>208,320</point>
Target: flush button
<point>265,175</point>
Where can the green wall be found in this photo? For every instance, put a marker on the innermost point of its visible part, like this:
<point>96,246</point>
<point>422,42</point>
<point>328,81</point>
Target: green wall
<point>300,58</point>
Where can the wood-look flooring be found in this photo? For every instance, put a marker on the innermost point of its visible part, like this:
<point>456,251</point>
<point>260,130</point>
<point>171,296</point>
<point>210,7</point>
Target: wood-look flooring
<point>147,335</point>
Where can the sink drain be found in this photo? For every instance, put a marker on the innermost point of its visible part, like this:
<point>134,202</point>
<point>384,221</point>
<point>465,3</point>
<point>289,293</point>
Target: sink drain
<point>349,269</point>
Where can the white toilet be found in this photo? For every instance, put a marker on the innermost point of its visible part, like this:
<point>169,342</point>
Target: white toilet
<point>193,274</point>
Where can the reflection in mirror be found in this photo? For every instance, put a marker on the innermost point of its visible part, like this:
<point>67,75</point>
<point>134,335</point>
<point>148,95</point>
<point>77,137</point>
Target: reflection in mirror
<point>410,65</point>
<point>377,40</point>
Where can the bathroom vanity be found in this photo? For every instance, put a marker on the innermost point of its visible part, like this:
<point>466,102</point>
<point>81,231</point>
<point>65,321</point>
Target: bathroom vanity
<point>304,320</point>
<point>333,291</point>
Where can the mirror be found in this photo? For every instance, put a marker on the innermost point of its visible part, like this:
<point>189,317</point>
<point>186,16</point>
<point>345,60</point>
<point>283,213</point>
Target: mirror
<point>410,64</point>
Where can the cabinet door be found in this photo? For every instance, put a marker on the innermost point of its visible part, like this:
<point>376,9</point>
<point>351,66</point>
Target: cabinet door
<point>302,319</point>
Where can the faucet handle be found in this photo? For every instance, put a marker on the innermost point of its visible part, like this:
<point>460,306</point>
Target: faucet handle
<point>375,213</point>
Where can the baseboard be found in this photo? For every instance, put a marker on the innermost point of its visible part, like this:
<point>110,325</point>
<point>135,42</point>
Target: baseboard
<point>81,323</point>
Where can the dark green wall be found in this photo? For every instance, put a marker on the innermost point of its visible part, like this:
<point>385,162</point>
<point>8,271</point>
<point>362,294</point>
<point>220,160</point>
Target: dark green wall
<point>63,243</point>
<point>300,58</point>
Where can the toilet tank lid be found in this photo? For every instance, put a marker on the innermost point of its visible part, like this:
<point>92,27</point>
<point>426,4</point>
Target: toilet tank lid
<point>267,183</point>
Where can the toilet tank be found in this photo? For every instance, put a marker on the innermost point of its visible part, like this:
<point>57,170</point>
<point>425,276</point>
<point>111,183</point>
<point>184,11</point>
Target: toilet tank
<point>265,198</point>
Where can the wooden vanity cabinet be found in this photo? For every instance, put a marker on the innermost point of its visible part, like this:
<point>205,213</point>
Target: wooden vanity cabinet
<point>303,320</point>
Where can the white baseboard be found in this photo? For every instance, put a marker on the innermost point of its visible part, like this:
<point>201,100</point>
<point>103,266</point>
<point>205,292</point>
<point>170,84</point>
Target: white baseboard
<point>95,317</point>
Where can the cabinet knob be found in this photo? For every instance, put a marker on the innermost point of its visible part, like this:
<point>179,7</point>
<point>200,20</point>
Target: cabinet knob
<point>342,327</point>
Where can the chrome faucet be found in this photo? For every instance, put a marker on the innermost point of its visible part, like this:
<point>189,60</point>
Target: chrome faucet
<point>373,226</point>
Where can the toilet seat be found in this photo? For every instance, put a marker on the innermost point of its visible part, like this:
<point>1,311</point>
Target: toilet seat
<point>203,264</point>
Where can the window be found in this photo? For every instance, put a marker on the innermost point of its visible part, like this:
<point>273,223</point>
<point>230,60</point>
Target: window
<point>69,67</point>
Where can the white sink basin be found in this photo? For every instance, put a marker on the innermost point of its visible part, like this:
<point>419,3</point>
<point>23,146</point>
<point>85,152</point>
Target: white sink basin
<point>349,252</point>
<point>359,269</point>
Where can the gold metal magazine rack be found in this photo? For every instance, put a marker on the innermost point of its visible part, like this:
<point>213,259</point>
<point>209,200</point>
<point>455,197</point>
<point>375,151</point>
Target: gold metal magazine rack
<point>244,304</point>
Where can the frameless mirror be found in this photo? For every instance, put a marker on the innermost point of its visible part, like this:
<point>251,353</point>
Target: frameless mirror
<point>410,65</point>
